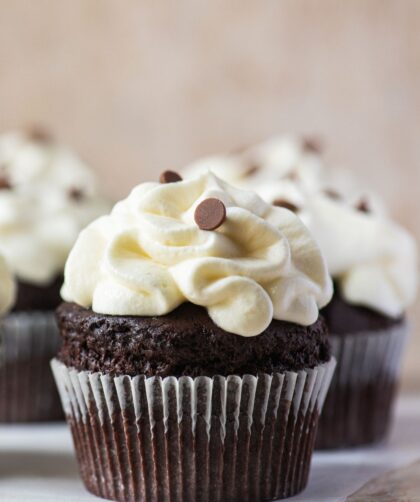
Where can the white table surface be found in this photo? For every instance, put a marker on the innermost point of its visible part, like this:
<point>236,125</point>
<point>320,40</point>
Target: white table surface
<point>37,462</point>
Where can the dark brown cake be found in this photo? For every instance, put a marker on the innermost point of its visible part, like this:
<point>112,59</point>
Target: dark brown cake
<point>344,318</point>
<point>184,342</point>
<point>29,339</point>
<point>33,297</point>
<point>367,346</point>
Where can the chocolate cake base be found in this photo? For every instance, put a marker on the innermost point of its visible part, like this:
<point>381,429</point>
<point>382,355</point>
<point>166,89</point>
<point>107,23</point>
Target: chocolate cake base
<point>344,318</point>
<point>184,342</point>
<point>28,393</point>
<point>368,347</point>
<point>32,297</point>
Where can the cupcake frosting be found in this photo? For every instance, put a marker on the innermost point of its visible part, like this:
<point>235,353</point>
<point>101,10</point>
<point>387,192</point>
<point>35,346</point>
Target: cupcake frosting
<point>47,195</point>
<point>279,158</point>
<point>150,255</point>
<point>7,287</point>
<point>372,259</point>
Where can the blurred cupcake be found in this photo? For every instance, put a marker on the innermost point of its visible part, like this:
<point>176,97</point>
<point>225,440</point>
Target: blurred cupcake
<point>374,265</point>
<point>373,262</point>
<point>194,362</point>
<point>47,195</point>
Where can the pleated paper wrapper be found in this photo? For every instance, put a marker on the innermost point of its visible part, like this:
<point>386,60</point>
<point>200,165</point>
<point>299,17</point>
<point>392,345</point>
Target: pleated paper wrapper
<point>194,439</point>
<point>28,341</point>
<point>359,406</point>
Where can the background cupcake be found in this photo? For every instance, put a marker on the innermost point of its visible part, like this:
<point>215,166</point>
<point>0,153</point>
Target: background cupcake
<point>46,196</point>
<point>373,262</point>
<point>374,265</point>
<point>194,362</point>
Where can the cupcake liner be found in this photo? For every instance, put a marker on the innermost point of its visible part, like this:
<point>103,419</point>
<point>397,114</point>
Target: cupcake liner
<point>358,409</point>
<point>28,340</point>
<point>193,439</point>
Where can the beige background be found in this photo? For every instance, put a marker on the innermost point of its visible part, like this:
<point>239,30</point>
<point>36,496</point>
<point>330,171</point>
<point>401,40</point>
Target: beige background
<point>137,86</point>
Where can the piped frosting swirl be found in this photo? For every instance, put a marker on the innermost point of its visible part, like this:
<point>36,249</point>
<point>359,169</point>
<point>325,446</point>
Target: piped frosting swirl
<point>149,256</point>
<point>47,195</point>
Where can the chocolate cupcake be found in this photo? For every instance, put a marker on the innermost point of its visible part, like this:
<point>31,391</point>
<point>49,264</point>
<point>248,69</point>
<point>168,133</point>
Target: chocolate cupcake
<point>374,264</point>
<point>47,195</point>
<point>194,362</point>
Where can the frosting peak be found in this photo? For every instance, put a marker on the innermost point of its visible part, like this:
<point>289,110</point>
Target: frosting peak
<point>47,195</point>
<point>149,256</point>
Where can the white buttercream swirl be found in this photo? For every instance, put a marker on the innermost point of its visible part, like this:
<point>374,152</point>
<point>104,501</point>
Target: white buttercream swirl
<point>372,259</point>
<point>52,196</point>
<point>7,287</point>
<point>149,256</point>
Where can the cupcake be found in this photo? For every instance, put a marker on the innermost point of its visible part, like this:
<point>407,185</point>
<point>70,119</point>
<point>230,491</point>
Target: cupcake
<point>194,362</point>
<point>373,262</point>
<point>47,195</point>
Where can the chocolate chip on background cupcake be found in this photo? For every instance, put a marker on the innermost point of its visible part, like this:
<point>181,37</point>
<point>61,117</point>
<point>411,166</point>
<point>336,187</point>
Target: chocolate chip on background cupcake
<point>40,218</point>
<point>373,262</point>
<point>194,362</point>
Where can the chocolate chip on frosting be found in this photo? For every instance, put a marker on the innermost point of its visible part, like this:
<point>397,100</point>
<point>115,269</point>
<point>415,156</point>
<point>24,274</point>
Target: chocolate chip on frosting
<point>292,176</point>
<point>169,177</point>
<point>39,134</point>
<point>210,214</point>
<point>76,194</point>
<point>312,145</point>
<point>252,170</point>
<point>363,206</point>
<point>286,204</point>
<point>332,194</point>
<point>4,182</point>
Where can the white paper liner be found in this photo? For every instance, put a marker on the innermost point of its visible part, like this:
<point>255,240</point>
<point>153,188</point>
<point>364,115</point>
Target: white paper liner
<point>28,340</point>
<point>358,409</point>
<point>194,439</point>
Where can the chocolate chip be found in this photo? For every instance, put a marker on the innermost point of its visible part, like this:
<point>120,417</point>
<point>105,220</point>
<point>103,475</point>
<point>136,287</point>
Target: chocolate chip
<point>253,169</point>
<point>39,134</point>
<point>312,145</point>
<point>286,204</point>
<point>169,177</point>
<point>363,206</point>
<point>210,214</point>
<point>292,176</point>
<point>332,194</point>
<point>76,194</point>
<point>4,183</point>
